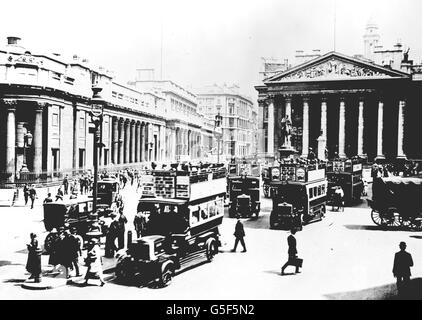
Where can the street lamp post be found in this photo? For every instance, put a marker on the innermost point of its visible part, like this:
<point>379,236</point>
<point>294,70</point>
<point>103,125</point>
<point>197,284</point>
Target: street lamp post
<point>97,106</point>
<point>217,124</point>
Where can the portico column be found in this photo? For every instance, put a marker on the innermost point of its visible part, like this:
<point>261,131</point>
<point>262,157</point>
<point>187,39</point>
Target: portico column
<point>400,134</point>
<point>146,145</point>
<point>75,161</point>
<point>322,140</point>
<point>137,142</point>
<point>270,135</point>
<point>121,140</point>
<point>115,140</point>
<point>360,130</point>
<point>38,138</point>
<point>342,130</point>
<point>380,154</point>
<point>142,142</point>
<point>132,142</point>
<point>11,138</point>
<point>305,128</point>
<point>127,141</point>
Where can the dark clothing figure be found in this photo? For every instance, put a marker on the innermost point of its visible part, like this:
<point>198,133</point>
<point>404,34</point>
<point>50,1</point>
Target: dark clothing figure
<point>65,185</point>
<point>292,252</point>
<point>138,223</point>
<point>401,268</point>
<point>59,194</point>
<point>33,265</point>
<point>66,253</point>
<point>26,193</point>
<point>121,231</point>
<point>48,199</point>
<point>54,259</point>
<point>76,252</point>
<point>110,243</point>
<point>33,196</point>
<point>239,234</point>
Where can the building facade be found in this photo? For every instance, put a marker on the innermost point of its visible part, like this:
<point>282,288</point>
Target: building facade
<point>239,119</point>
<point>46,98</point>
<point>345,106</point>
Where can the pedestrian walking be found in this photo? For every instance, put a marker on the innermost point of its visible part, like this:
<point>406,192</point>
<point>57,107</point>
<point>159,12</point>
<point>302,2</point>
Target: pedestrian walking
<point>111,235</point>
<point>32,195</point>
<point>66,184</point>
<point>54,247</point>
<point>292,252</point>
<point>239,233</point>
<point>26,193</point>
<point>33,264</point>
<point>401,268</point>
<point>76,249</point>
<point>67,252</point>
<point>59,195</point>
<point>138,223</point>
<point>93,261</point>
<point>122,220</point>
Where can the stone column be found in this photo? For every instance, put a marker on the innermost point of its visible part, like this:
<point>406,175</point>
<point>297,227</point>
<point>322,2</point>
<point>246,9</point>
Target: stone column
<point>127,141</point>
<point>121,140</point>
<point>360,129</point>
<point>75,161</point>
<point>137,142</point>
<point>322,140</point>
<point>38,137</point>
<point>342,130</point>
<point>305,128</point>
<point>380,154</point>
<point>11,138</point>
<point>115,141</point>
<point>132,142</point>
<point>270,134</point>
<point>400,133</point>
<point>146,145</point>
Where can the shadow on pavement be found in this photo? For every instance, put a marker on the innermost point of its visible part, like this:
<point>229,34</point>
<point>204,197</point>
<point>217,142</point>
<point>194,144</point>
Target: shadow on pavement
<point>374,228</point>
<point>385,292</point>
<point>9,263</point>
<point>416,237</point>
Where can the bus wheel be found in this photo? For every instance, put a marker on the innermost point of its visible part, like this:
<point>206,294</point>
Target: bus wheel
<point>211,249</point>
<point>166,275</point>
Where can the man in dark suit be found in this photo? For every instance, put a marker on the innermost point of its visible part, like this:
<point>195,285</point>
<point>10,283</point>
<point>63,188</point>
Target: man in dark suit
<point>401,268</point>
<point>292,252</point>
<point>239,233</point>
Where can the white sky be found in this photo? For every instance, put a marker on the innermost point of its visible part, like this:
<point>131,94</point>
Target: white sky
<point>204,41</point>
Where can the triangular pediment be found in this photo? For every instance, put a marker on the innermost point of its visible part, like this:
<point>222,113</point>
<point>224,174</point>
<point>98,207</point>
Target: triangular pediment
<point>335,66</point>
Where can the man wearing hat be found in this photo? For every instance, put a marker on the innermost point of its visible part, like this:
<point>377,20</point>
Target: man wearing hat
<point>75,246</point>
<point>110,245</point>
<point>401,268</point>
<point>54,244</point>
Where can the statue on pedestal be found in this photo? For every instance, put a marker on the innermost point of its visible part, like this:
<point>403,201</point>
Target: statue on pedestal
<point>286,131</point>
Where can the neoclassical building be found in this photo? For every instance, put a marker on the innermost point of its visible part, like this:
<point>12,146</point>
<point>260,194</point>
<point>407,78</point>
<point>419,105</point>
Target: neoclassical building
<point>345,105</point>
<point>45,117</point>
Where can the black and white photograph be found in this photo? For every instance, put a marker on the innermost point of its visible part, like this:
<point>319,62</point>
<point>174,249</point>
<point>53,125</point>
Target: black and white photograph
<point>198,150</point>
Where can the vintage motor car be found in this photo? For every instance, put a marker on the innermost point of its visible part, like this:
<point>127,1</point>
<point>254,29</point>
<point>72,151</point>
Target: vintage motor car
<point>244,197</point>
<point>107,190</point>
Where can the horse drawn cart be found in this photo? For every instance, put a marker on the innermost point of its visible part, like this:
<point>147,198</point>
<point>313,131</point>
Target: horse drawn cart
<point>396,202</point>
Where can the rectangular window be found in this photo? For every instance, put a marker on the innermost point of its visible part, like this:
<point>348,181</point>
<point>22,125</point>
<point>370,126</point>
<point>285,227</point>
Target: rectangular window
<point>82,123</point>
<point>55,120</point>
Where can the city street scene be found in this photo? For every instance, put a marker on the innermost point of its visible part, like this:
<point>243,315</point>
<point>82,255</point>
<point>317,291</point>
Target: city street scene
<point>211,150</point>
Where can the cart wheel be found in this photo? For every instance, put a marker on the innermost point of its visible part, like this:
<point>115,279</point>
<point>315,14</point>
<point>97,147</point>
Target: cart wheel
<point>377,219</point>
<point>123,271</point>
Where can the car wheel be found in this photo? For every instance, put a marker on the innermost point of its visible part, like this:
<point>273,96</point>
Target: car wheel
<point>211,249</point>
<point>124,272</point>
<point>166,276</point>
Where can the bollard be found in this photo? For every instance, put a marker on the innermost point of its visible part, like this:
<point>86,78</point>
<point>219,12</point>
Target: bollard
<point>129,238</point>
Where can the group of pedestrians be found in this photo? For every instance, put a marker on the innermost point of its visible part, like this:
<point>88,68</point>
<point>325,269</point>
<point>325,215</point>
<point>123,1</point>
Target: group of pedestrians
<point>29,193</point>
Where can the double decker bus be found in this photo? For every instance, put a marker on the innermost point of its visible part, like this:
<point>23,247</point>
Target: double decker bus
<point>182,211</point>
<point>346,173</point>
<point>299,196</point>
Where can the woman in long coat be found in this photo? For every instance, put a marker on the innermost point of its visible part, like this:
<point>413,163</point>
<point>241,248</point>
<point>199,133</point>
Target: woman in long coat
<point>93,260</point>
<point>33,264</point>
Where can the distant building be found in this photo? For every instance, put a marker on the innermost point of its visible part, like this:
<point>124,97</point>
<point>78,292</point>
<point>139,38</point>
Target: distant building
<point>239,125</point>
<point>46,97</point>
<point>366,105</point>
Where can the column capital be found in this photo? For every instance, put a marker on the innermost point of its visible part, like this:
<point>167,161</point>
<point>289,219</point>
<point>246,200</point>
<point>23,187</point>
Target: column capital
<point>402,103</point>
<point>269,100</point>
<point>10,104</point>
<point>342,99</point>
<point>306,99</point>
<point>132,123</point>
<point>288,98</point>
<point>40,106</point>
<point>324,99</point>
